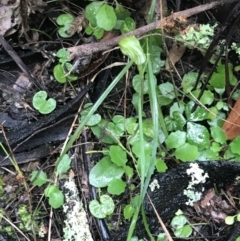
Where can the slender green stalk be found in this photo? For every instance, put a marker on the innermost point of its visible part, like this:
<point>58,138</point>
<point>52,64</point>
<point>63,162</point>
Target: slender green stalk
<point>94,108</point>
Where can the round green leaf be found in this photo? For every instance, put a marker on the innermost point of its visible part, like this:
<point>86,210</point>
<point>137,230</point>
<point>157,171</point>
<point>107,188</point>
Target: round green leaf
<point>207,155</point>
<point>183,232</point>
<point>155,56</point>
<point>187,152</point>
<point>176,122</point>
<point>116,186</point>
<point>161,165</point>
<point>127,25</point>
<point>94,120</point>
<point>137,84</point>
<point>148,128</point>
<point>136,148</point>
<point>38,178</point>
<point>121,12</point>
<point>178,107</point>
<point>198,135</point>
<point>131,47</point>
<point>41,104</point>
<point>234,146</point>
<point>104,172</point>
<point>107,204</point>
<point>176,139</point>
<point>91,12</point>
<point>55,196</point>
<point>59,74</point>
<point>96,209</point>
<point>64,165</point>
<point>128,211</point>
<point>106,17</point>
<point>198,115</point>
<point>189,81</point>
<point>229,220</point>
<point>178,221</point>
<point>118,155</point>
<point>167,90</point>
<point>207,98</point>
<point>64,19</point>
<point>102,209</point>
<point>63,55</point>
<point>218,134</point>
<point>98,32</point>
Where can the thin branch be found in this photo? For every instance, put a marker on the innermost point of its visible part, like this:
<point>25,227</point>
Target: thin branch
<point>88,49</point>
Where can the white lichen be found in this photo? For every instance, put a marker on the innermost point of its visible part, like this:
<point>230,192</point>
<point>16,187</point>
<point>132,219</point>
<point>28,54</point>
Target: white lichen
<point>76,223</point>
<point>198,176</point>
<point>154,184</point>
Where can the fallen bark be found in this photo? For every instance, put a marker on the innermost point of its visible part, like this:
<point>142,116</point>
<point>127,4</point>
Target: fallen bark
<point>88,49</point>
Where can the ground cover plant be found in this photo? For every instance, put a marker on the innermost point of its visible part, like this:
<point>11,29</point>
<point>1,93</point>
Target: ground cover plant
<point>146,119</point>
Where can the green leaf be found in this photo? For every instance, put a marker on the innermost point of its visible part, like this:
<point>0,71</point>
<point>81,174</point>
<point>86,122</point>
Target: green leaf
<point>104,172</point>
<point>106,17</point>
<point>59,74</point>
<point>218,134</point>
<point>118,155</point>
<point>207,98</point>
<point>187,152</point>
<point>178,221</point>
<point>198,135</point>
<point>137,84</point>
<point>128,211</point>
<point>136,148</point>
<point>215,147</point>
<point>207,155</point>
<point>121,12</point>
<point>178,107</point>
<point>234,146</point>
<point>116,187</point>
<point>183,232</point>
<point>229,220</point>
<point>127,25</point>
<point>131,125</point>
<point>41,104</point>
<point>131,47</point>
<point>115,130</point>
<point>63,55</point>
<point>218,80</point>
<point>98,33</point>
<point>119,121</point>
<point>102,209</point>
<point>189,81</point>
<point>161,165</point>
<point>148,128</point>
<point>64,20</point>
<point>94,120</point>
<point>55,196</point>
<point>91,12</point>
<point>176,122</point>
<point>38,178</point>
<point>176,139</point>
<point>167,90</point>
<point>64,165</point>
<point>155,58</point>
<point>128,171</point>
<point>198,115</point>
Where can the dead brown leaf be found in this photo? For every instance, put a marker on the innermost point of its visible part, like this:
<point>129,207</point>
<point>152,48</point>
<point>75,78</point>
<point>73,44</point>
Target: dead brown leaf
<point>175,54</point>
<point>231,126</point>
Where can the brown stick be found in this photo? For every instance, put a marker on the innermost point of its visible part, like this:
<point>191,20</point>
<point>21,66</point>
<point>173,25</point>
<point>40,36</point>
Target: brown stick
<point>88,49</point>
